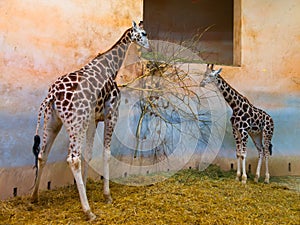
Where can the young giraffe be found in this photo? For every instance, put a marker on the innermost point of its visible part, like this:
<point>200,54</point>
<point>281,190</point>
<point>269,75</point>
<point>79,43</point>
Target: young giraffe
<point>79,100</point>
<point>246,120</point>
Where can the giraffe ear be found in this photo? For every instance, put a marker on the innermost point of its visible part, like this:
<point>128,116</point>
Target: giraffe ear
<point>216,72</point>
<point>133,24</point>
<point>219,71</point>
<point>141,24</point>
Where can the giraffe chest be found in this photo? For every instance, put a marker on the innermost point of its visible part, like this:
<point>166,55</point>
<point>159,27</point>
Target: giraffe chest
<point>108,98</point>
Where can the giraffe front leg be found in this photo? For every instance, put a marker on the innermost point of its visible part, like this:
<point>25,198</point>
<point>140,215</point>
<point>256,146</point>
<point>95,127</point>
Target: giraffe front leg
<point>257,175</point>
<point>237,138</point>
<point>238,170</point>
<point>108,131</point>
<point>244,175</point>
<point>267,176</point>
<point>110,120</point>
<point>244,139</point>
<point>241,158</point>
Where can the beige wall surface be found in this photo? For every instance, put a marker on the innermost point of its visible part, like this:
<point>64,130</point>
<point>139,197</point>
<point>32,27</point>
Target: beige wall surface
<point>270,47</point>
<point>41,40</point>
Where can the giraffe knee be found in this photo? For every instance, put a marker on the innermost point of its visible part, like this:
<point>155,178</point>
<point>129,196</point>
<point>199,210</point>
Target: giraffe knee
<point>74,161</point>
<point>41,162</point>
<point>241,155</point>
<point>41,159</point>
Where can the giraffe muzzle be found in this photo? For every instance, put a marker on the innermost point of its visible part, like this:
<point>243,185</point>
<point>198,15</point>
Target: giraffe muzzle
<point>149,48</point>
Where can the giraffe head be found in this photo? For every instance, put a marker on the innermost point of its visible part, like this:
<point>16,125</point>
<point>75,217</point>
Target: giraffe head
<point>210,75</point>
<point>139,35</point>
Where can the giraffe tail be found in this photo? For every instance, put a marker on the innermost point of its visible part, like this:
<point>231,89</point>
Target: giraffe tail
<point>36,150</point>
<point>270,148</point>
<point>37,140</point>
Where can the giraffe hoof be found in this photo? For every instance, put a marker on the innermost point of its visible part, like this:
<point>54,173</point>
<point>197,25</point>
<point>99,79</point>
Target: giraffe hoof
<point>90,216</point>
<point>237,179</point>
<point>34,199</point>
<point>266,181</point>
<point>244,179</point>
<point>108,199</point>
<point>256,179</point>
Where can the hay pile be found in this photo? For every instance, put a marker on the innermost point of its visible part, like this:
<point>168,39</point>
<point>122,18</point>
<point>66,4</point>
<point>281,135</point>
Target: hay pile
<point>188,197</point>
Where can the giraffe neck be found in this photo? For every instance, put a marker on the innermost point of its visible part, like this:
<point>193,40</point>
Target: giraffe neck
<point>231,96</point>
<point>111,60</point>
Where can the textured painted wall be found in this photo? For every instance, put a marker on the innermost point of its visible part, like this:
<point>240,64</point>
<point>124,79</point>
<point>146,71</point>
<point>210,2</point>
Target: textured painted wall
<point>270,47</point>
<point>42,40</point>
<point>39,41</point>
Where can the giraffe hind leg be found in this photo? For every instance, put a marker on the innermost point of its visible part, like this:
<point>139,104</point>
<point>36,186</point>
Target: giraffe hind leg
<point>52,126</point>
<point>88,152</point>
<point>257,140</point>
<point>267,152</point>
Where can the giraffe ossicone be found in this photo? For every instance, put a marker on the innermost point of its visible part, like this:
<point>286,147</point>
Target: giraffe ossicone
<point>247,120</point>
<point>79,100</point>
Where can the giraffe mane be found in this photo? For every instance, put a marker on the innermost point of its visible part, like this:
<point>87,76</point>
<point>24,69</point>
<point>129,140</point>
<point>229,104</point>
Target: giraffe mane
<point>123,37</point>
<point>238,93</point>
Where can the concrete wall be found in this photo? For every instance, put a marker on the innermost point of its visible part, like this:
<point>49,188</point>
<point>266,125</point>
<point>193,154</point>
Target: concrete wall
<point>40,41</point>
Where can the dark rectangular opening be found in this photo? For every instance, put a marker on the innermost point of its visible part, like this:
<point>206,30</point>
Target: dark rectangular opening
<point>49,185</point>
<point>231,166</point>
<point>15,192</point>
<point>178,21</point>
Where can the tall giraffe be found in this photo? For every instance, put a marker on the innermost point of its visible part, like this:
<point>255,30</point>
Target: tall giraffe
<point>246,120</point>
<point>79,100</point>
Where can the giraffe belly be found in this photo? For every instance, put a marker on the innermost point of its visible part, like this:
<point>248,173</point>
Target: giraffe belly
<point>99,117</point>
<point>255,129</point>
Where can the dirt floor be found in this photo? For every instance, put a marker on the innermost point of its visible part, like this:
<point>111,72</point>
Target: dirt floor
<point>188,197</point>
